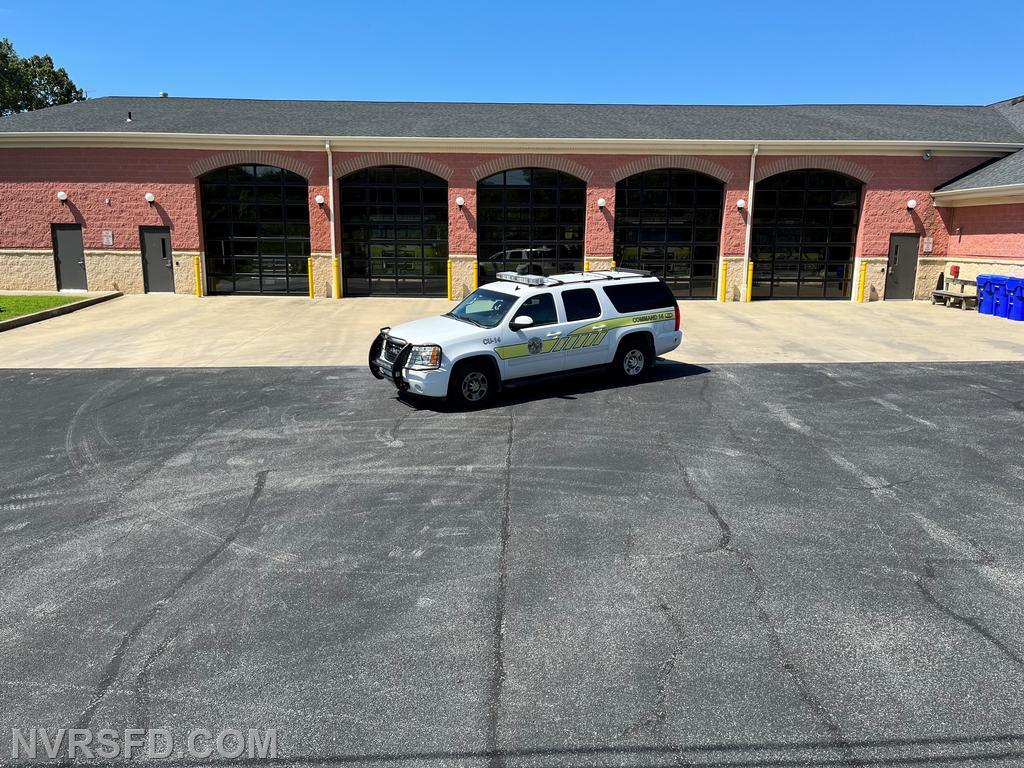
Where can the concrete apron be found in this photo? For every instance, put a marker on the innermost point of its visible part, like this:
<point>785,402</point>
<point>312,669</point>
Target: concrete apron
<point>168,330</point>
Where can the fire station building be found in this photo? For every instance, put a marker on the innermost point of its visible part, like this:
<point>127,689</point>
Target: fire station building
<point>222,196</point>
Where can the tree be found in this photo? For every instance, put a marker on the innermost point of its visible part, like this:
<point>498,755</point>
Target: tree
<point>32,83</point>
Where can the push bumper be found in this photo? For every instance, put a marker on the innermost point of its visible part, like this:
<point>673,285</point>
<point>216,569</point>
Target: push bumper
<point>432,383</point>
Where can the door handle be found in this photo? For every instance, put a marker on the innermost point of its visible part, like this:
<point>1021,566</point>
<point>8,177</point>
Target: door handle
<point>82,263</point>
<point>555,333</point>
<point>600,327</point>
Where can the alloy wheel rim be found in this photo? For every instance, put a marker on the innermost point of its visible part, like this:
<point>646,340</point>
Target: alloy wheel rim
<point>633,362</point>
<point>474,387</point>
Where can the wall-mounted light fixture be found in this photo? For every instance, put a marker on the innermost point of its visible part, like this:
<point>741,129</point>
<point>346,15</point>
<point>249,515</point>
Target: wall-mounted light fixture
<point>319,199</point>
<point>926,155</point>
<point>460,201</point>
<point>150,198</point>
<point>911,204</point>
<point>601,203</point>
<point>741,203</point>
<point>62,196</point>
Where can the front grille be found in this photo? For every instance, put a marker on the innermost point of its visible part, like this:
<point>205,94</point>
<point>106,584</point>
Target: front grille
<point>391,348</point>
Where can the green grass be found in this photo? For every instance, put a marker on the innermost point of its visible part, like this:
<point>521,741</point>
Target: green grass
<point>16,305</point>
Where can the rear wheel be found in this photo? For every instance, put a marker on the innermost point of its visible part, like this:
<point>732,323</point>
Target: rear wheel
<point>634,359</point>
<point>472,385</point>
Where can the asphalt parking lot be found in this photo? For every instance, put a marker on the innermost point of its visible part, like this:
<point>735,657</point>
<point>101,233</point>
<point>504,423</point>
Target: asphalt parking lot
<point>744,565</point>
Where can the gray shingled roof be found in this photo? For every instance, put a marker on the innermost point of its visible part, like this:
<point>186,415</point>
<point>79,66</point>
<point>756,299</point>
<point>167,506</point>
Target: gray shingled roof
<point>1006,170</point>
<point>847,122</point>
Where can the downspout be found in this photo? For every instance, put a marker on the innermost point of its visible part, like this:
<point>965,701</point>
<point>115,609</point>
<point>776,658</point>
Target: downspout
<point>750,223</point>
<point>335,279</point>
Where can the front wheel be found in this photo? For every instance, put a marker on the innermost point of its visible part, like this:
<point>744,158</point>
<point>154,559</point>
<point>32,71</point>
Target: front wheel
<point>634,360</point>
<point>472,385</point>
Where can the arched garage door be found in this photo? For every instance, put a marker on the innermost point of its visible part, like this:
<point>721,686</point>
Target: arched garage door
<point>255,230</point>
<point>531,221</point>
<point>805,231</point>
<point>670,222</point>
<point>394,225</point>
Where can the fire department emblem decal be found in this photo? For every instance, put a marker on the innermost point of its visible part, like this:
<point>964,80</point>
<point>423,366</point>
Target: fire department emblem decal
<point>534,346</point>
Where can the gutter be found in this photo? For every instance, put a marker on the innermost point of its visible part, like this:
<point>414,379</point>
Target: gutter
<point>975,194</point>
<point>475,144</point>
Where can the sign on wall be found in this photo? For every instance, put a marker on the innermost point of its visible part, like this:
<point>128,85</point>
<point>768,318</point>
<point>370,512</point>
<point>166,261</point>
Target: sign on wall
<point>107,236</point>
<point>926,245</point>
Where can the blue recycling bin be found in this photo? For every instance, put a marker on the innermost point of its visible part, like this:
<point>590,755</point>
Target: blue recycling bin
<point>1015,291</point>
<point>986,295</point>
<point>1001,298</point>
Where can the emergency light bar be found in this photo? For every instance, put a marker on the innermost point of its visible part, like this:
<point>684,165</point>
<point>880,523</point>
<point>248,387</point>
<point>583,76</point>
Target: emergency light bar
<point>515,277</point>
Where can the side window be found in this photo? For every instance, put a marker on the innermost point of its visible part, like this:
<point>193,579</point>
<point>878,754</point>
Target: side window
<point>581,304</point>
<point>541,308</point>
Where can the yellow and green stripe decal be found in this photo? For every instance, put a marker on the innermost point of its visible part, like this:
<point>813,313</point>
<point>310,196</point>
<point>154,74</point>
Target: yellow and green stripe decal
<point>585,336</point>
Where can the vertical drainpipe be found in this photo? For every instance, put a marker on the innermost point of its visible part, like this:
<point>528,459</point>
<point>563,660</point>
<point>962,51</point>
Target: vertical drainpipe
<point>750,221</point>
<point>335,287</point>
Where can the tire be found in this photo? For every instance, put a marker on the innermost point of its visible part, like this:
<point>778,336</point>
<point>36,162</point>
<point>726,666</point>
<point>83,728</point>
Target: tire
<point>472,385</point>
<point>634,359</point>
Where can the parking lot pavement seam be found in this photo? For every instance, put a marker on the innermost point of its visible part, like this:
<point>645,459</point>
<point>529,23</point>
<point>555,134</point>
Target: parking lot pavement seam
<point>501,603</point>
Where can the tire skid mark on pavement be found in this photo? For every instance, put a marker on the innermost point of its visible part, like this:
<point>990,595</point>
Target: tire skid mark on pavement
<point>112,671</point>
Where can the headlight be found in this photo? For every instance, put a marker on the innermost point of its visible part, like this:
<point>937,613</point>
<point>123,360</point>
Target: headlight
<point>425,356</point>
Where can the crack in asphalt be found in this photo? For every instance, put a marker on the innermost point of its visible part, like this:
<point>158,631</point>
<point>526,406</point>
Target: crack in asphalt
<point>112,670</point>
<point>724,530</point>
<point>501,599</point>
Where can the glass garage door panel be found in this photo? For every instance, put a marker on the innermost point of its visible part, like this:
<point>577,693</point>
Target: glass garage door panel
<point>670,222</point>
<point>256,230</point>
<point>805,230</point>
<point>394,232</point>
<point>530,221</point>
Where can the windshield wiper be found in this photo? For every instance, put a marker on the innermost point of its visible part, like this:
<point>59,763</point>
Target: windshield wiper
<point>477,323</point>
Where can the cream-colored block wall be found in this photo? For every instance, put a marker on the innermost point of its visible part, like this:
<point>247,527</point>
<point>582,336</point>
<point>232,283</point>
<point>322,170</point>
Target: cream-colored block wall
<point>463,275</point>
<point>114,271</point>
<point>27,270</point>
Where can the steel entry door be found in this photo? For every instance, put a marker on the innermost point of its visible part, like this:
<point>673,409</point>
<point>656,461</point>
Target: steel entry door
<point>157,269</point>
<point>69,256</point>
<point>902,270</point>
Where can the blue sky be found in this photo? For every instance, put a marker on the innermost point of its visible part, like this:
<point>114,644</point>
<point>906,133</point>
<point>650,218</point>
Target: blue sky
<point>721,52</point>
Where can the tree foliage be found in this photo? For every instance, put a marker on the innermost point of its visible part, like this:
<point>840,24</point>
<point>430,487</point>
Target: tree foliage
<point>33,82</point>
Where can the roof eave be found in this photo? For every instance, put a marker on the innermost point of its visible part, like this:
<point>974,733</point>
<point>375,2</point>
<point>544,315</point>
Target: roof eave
<point>469,144</point>
<point>1002,194</point>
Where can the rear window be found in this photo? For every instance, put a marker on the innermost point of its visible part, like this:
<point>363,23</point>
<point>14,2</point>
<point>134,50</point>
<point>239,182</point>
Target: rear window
<point>640,297</point>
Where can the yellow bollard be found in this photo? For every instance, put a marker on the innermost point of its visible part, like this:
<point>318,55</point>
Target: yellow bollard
<point>750,280</point>
<point>863,281</point>
<point>613,264</point>
<point>309,266</point>
<point>337,277</point>
<point>586,266</point>
<point>476,275</point>
<point>449,279</point>
<point>725,281</point>
<point>199,275</point>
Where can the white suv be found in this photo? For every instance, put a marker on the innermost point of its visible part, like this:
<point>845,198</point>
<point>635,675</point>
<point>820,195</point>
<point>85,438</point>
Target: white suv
<point>524,326</point>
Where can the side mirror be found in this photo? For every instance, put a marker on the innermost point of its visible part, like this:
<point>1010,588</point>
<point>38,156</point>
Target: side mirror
<point>520,322</point>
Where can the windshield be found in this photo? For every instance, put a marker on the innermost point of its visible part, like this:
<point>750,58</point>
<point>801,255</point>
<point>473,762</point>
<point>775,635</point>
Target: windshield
<point>483,308</point>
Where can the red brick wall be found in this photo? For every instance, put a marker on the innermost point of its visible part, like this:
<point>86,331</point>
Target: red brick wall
<point>105,190</point>
<point>30,179</point>
<point>986,231</point>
